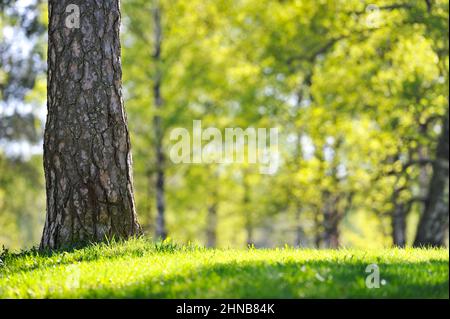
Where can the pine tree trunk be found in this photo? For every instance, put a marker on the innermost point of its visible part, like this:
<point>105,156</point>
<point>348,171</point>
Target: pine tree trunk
<point>87,158</point>
<point>434,221</point>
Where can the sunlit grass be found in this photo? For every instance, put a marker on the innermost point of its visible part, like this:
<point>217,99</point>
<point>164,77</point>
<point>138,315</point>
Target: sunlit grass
<point>142,269</point>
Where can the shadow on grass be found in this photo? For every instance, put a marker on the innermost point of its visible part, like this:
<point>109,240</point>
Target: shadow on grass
<point>87,253</point>
<point>314,279</point>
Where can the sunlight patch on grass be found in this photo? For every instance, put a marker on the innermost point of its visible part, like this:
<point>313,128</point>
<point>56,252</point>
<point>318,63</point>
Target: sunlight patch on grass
<point>142,269</point>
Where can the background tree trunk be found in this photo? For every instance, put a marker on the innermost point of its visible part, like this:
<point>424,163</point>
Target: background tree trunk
<point>248,214</point>
<point>161,231</point>
<point>398,217</point>
<point>299,233</point>
<point>213,208</point>
<point>331,230</point>
<point>211,231</point>
<point>399,225</point>
<point>434,222</point>
<point>87,158</point>
<point>318,225</point>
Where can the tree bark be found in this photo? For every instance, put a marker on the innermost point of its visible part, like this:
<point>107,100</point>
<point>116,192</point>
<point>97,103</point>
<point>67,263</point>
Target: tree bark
<point>161,231</point>
<point>87,157</point>
<point>332,214</point>
<point>331,222</point>
<point>399,225</point>
<point>398,217</point>
<point>317,228</point>
<point>435,219</point>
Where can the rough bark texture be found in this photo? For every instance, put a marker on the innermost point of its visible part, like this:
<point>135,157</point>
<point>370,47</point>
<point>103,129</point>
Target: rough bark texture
<point>87,157</point>
<point>434,221</point>
<point>161,231</point>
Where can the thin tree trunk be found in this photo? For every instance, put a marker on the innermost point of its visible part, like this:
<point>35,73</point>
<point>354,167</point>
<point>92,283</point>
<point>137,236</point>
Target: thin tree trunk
<point>249,230</point>
<point>434,221</point>
<point>398,217</point>
<point>331,228</point>
<point>150,226</point>
<point>87,158</point>
<point>399,225</point>
<point>161,231</point>
<point>333,215</point>
<point>332,197</point>
<point>317,228</point>
<point>423,155</point>
<point>211,231</point>
<point>298,204</point>
<point>248,213</point>
<point>298,228</point>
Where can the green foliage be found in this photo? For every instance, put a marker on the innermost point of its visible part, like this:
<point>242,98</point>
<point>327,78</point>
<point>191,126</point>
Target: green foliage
<point>22,202</point>
<point>358,96</point>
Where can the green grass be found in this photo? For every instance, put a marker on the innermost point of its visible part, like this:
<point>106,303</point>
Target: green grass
<point>142,269</point>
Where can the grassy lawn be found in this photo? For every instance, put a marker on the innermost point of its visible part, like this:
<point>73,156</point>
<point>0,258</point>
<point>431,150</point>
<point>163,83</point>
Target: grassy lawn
<point>141,269</point>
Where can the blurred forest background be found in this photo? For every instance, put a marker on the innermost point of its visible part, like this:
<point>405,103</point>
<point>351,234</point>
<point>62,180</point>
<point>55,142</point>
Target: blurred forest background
<point>358,89</point>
